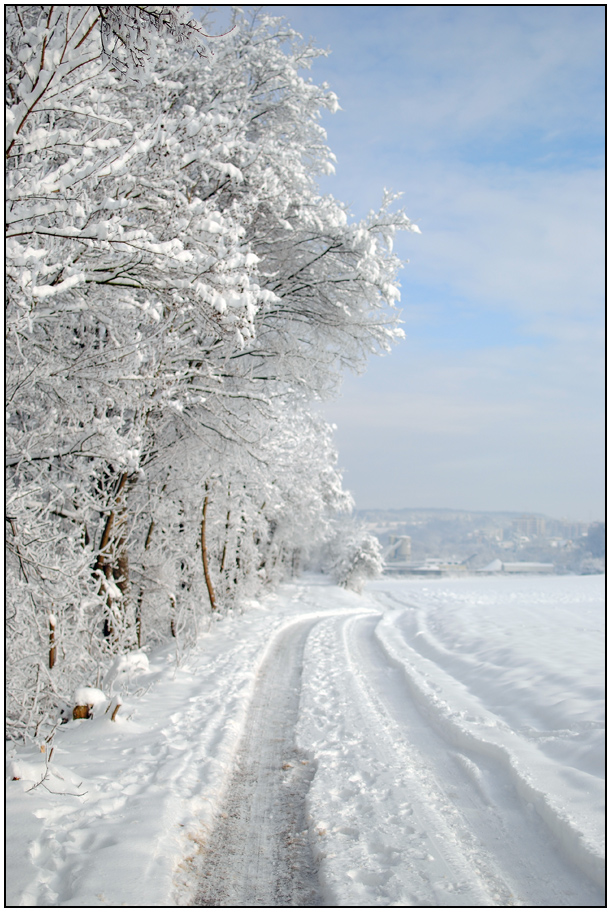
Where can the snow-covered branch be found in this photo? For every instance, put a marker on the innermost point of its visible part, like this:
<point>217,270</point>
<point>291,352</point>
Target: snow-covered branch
<point>178,294</point>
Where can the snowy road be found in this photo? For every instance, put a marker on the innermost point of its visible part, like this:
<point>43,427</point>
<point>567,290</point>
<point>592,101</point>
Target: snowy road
<point>437,744</point>
<point>259,853</point>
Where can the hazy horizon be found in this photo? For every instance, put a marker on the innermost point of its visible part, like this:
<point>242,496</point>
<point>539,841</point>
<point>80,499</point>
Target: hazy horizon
<point>428,509</point>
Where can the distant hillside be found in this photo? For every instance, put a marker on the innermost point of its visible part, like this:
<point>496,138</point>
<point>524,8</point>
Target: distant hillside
<point>480,536</point>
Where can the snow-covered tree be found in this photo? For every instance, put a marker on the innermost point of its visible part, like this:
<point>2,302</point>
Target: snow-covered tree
<point>178,294</point>
<point>353,556</point>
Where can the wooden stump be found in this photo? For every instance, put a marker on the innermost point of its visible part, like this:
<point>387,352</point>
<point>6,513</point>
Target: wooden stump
<point>82,712</point>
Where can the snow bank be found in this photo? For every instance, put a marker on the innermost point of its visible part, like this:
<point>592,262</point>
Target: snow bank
<point>124,669</point>
<point>89,696</point>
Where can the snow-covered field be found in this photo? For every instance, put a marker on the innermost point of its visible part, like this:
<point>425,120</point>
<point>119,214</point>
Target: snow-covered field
<point>459,742</point>
<point>426,743</point>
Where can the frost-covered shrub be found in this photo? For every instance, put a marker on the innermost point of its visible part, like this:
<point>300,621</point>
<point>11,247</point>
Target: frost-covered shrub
<point>354,556</point>
<point>590,565</point>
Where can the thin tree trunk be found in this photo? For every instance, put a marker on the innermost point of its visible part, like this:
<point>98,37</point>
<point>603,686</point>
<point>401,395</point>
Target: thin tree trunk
<point>205,555</point>
<point>109,629</point>
<point>121,569</point>
<point>147,542</point>
<point>14,531</point>
<point>224,555</point>
<point>149,535</point>
<point>173,616</point>
<point>238,547</point>
<point>236,571</point>
<point>103,559</point>
<point>296,562</point>
<point>52,646</point>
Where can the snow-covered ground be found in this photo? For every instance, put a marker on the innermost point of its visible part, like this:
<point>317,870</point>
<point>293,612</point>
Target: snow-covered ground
<point>426,743</point>
<point>459,741</point>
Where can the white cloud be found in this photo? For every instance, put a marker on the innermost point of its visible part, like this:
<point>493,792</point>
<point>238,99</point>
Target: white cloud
<point>440,75</point>
<point>529,246</point>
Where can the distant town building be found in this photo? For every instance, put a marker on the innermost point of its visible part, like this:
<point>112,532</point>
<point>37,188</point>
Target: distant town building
<point>572,531</point>
<point>529,526</point>
<point>513,567</point>
<point>430,566</point>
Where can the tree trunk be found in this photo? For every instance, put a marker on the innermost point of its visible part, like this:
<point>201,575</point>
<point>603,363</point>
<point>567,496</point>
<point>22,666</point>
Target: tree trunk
<point>224,554</point>
<point>121,569</point>
<point>147,542</point>
<point>296,562</point>
<point>149,535</point>
<point>104,559</point>
<point>173,616</point>
<point>205,555</point>
<point>52,646</point>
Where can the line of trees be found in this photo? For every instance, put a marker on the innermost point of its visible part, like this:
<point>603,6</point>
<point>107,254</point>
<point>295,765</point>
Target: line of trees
<point>179,294</point>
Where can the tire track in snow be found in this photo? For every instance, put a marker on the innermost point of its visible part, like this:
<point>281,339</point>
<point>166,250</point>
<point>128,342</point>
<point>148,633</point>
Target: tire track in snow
<point>510,852</point>
<point>259,853</point>
<point>434,679</point>
<point>385,838</point>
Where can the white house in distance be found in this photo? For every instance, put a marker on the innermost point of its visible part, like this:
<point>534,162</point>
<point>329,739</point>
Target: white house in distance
<point>514,567</point>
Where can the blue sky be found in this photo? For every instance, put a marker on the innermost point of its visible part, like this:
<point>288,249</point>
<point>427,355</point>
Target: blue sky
<point>490,120</point>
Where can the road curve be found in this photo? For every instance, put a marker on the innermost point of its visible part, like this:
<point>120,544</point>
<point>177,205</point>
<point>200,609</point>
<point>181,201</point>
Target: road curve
<point>397,814</point>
